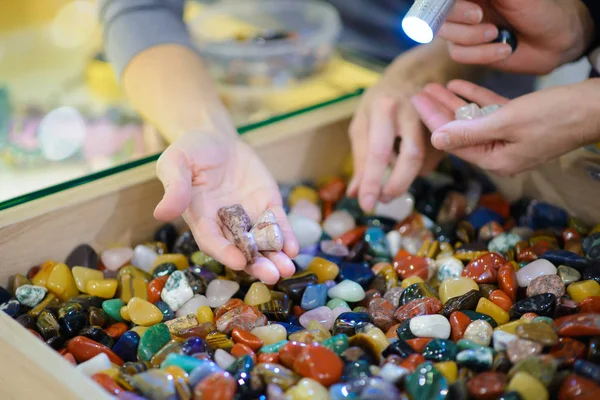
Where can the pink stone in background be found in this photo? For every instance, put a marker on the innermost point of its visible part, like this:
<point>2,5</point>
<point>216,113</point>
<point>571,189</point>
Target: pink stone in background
<point>113,259</point>
<point>323,315</point>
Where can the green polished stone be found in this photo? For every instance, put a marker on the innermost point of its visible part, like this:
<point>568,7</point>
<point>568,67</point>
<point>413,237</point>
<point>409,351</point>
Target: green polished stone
<point>337,343</point>
<point>113,308</point>
<point>547,320</point>
<point>466,344</point>
<point>541,367</point>
<point>427,383</point>
<point>478,360</point>
<point>474,315</point>
<point>333,303</point>
<point>152,340</point>
<point>440,350</point>
<point>273,348</point>
<point>403,331</point>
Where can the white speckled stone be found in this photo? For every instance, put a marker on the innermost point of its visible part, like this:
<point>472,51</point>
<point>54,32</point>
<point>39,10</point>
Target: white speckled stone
<point>501,339</point>
<point>449,267</point>
<point>430,326</point>
<point>533,270</point>
<point>480,332</point>
<point>219,291</point>
<point>177,291</point>
<point>30,295</point>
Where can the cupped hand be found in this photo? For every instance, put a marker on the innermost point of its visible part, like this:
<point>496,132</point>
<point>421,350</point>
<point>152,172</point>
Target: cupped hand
<point>385,114</point>
<point>549,33</point>
<point>523,134</point>
<point>202,172</point>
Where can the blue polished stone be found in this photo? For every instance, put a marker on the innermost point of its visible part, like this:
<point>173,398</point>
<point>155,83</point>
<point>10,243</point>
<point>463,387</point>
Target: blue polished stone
<point>4,295</point>
<point>206,368</point>
<point>127,346</point>
<point>565,257</point>
<point>358,272</point>
<point>348,322</point>
<point>301,261</point>
<point>368,388</point>
<point>291,328</point>
<point>378,244</point>
<point>194,345</point>
<point>314,296</point>
<point>482,216</point>
<point>166,311</point>
<point>11,307</point>
<point>310,250</point>
<point>544,215</point>
<point>588,370</point>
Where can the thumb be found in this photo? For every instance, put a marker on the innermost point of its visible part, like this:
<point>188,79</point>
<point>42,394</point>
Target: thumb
<point>176,177</point>
<point>459,134</point>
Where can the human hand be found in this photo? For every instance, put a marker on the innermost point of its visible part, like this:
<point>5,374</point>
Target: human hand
<point>523,134</point>
<point>201,173</point>
<point>549,33</point>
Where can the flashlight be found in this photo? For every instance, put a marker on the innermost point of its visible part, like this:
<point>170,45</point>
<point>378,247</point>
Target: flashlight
<point>425,18</point>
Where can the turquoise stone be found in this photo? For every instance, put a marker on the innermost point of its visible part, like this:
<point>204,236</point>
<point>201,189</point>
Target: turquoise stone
<point>440,350</point>
<point>337,343</point>
<point>334,303</point>
<point>465,344</point>
<point>547,320</point>
<point>152,341</point>
<point>403,331</point>
<point>476,359</point>
<point>474,315</point>
<point>187,363</point>
<point>378,244</point>
<point>273,348</point>
<point>314,296</point>
<point>113,308</point>
<point>242,365</point>
<point>427,383</point>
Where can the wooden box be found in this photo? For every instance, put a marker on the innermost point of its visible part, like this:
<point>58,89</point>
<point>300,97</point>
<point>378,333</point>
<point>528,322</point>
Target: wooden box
<point>118,209</point>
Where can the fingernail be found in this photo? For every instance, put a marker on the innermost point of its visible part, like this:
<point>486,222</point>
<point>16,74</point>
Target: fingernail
<point>490,34</point>
<point>369,202</point>
<point>386,198</point>
<point>504,51</point>
<point>441,140</point>
<point>474,15</point>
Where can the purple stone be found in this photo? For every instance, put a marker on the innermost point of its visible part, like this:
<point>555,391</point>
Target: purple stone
<point>333,248</point>
<point>312,250</point>
<point>330,284</point>
<point>193,346</point>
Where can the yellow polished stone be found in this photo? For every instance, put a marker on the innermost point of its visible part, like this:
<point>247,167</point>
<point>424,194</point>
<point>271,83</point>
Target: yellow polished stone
<point>205,314</point>
<point>515,265</point>
<point>125,313</point>
<point>303,193</point>
<point>140,330</point>
<point>142,312</point>
<point>527,386</point>
<point>50,298</point>
<point>135,272</point>
<point>511,326</point>
<point>132,286</point>
<point>180,260</point>
<point>324,269</point>
<point>82,275</point>
<point>103,288</point>
<point>453,287</point>
<point>61,283</point>
<point>177,324</point>
<point>41,277</point>
<point>270,333</point>
<point>449,369</point>
<point>177,372</point>
<point>307,389</point>
<point>113,372</point>
<point>411,280</point>
<point>485,306</point>
<point>580,291</point>
<point>595,229</point>
<point>258,293</point>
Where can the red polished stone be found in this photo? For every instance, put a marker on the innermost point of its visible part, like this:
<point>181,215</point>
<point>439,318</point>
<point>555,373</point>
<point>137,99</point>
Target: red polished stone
<point>268,358</point>
<point>238,350</point>
<point>217,386</point>
<point>458,324</point>
<point>487,385</point>
<point>570,234</point>
<point>201,331</point>
<point>418,344</point>
<point>312,361</point>
<point>333,191</point>
<point>245,317</point>
<point>107,383</point>
<point>381,312</point>
<point>369,295</point>
<point>590,305</point>
<point>484,269</point>
<point>507,281</point>
<point>230,305</point>
<point>155,288</point>
<point>327,209</point>
<point>412,362</point>
<point>70,358</point>
<point>298,311</point>
<point>116,330</point>
<point>246,338</point>
<point>495,202</point>
<point>391,332</point>
<point>576,387</point>
<point>407,265</point>
<point>83,349</point>
<point>501,299</point>
<point>423,306</point>
<point>352,237</point>
<point>567,351</point>
<point>578,325</point>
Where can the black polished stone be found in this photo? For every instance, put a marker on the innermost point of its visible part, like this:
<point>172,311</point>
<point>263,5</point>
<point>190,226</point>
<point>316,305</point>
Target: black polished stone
<point>541,304</point>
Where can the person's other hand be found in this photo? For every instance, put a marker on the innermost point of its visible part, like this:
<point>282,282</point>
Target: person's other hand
<point>201,173</point>
<point>523,134</point>
<point>549,33</point>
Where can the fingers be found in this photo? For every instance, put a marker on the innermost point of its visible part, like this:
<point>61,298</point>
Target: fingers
<point>382,124</point>
<point>282,262</point>
<point>481,54</point>
<point>358,140</point>
<point>433,114</point>
<point>264,270</point>
<point>459,134</point>
<point>290,244</point>
<point>476,93</point>
<point>176,177</point>
<point>210,239</point>
<point>444,96</point>
<point>411,156</point>
<point>466,12</point>
<point>468,35</point>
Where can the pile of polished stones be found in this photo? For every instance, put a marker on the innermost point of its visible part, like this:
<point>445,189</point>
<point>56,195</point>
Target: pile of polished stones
<point>447,292</point>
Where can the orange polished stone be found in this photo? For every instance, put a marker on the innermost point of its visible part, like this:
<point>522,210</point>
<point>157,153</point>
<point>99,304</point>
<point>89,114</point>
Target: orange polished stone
<point>83,349</point>
<point>458,325</point>
<point>238,350</point>
<point>272,358</point>
<point>590,305</point>
<point>407,265</point>
<point>230,305</point>
<point>217,386</point>
<point>391,333</point>
<point>201,331</point>
<point>570,234</point>
<point>567,351</point>
<point>312,361</point>
<point>333,191</point>
<point>352,237</point>
<point>298,311</point>
<point>107,383</point>
<point>576,387</point>
<point>423,306</point>
<point>327,209</point>
<point>487,386</point>
<point>418,344</point>
<point>507,281</point>
<point>501,299</point>
<point>116,330</point>
<point>155,288</point>
<point>412,362</point>
<point>578,325</point>
<point>69,357</point>
<point>246,338</point>
<point>495,202</point>
<point>484,269</point>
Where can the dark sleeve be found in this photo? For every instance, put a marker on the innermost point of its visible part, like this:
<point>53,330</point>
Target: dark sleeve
<point>131,26</point>
<point>594,7</point>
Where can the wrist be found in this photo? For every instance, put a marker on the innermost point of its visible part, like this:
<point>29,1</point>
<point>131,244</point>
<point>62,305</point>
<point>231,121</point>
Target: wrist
<point>582,32</point>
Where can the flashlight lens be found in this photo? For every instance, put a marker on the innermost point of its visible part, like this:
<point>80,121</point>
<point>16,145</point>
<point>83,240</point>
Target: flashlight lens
<point>417,29</point>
